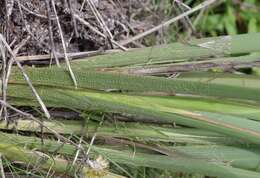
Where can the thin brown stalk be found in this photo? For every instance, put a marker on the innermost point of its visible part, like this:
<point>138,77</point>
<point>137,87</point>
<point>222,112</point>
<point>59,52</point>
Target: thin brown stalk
<point>100,19</point>
<point>92,141</point>
<point>64,45</point>
<point>3,111</point>
<point>97,31</point>
<point>186,20</point>
<point>15,52</point>
<point>94,136</point>
<point>44,108</point>
<point>31,12</point>
<point>70,55</point>
<point>47,3</point>
<point>29,116</point>
<point>7,71</point>
<point>78,151</point>
<point>73,18</point>
<point>42,44</point>
<point>167,23</point>
<point>1,167</point>
<point>82,5</point>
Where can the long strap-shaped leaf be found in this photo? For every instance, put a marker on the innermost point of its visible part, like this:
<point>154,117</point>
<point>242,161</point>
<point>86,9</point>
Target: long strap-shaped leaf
<point>176,52</point>
<point>107,81</point>
<point>227,63</point>
<point>60,166</point>
<point>246,81</point>
<point>241,157</point>
<point>178,163</point>
<point>152,107</point>
<point>126,130</point>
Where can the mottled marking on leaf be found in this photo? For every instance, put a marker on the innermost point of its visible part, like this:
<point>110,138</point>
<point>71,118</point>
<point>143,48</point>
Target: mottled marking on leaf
<point>222,45</point>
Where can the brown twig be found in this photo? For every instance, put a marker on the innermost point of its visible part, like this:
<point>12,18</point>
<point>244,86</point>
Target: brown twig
<point>52,49</point>
<point>99,19</point>
<point>3,111</point>
<point>63,45</point>
<point>31,12</point>
<point>186,20</point>
<point>95,135</point>
<point>78,151</point>
<point>7,72</point>
<point>70,55</point>
<point>29,116</point>
<point>82,5</point>
<point>26,25</point>
<point>167,23</point>
<point>97,31</point>
<point>1,167</point>
<point>44,108</point>
<point>15,52</point>
<point>73,18</point>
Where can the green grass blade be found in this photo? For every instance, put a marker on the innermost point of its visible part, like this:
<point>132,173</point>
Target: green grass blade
<point>246,81</point>
<point>246,157</point>
<point>221,63</point>
<point>178,163</point>
<point>111,81</point>
<point>176,52</point>
<point>135,131</point>
<point>137,105</point>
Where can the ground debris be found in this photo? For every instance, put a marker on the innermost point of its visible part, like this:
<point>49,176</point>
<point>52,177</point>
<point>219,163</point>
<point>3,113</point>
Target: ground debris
<point>30,18</point>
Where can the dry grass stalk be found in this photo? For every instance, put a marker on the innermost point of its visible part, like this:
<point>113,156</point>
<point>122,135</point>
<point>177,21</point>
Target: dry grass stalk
<point>63,45</point>
<point>51,33</point>
<point>167,23</point>
<point>98,32</point>
<point>44,108</point>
